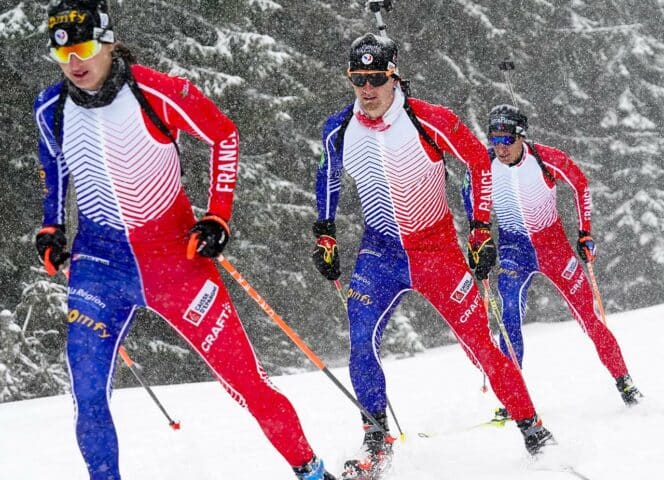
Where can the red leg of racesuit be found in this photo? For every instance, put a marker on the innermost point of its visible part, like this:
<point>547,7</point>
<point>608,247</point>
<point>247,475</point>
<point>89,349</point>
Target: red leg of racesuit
<point>555,256</point>
<point>172,286</point>
<point>438,269</point>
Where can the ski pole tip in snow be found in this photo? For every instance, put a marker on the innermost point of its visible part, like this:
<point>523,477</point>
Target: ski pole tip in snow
<point>174,425</point>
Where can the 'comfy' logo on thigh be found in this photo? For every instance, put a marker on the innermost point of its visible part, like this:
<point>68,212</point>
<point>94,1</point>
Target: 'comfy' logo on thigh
<point>364,299</point>
<point>74,316</point>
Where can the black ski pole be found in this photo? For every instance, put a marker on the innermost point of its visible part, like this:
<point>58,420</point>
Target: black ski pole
<point>375,6</point>
<point>130,363</point>
<point>507,67</point>
<point>276,318</point>
<point>134,367</point>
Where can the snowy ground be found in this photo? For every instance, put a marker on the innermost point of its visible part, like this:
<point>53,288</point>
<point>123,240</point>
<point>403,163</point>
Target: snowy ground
<point>437,392</point>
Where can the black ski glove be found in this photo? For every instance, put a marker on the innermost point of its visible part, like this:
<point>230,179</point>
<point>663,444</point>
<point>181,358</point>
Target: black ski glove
<point>481,249</point>
<point>51,243</point>
<point>326,254</point>
<point>585,246</point>
<point>208,237</point>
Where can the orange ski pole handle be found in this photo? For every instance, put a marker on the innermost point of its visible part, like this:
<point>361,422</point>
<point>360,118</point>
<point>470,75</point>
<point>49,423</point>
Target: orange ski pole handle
<point>598,298</point>
<point>485,297</point>
<point>228,266</point>
<point>125,356</point>
<point>192,245</point>
<point>50,268</point>
<point>315,359</point>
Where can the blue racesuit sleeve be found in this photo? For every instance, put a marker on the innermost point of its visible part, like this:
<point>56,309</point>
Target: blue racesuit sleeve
<point>54,173</point>
<point>330,168</point>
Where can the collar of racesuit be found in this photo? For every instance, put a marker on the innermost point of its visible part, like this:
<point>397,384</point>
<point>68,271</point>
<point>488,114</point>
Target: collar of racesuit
<point>381,123</point>
<point>108,91</point>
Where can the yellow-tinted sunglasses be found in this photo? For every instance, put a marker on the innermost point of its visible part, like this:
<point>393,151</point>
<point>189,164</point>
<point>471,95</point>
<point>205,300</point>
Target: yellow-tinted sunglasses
<point>83,51</point>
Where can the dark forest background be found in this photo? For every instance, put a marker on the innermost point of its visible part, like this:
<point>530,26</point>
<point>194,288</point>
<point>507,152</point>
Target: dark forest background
<point>590,76</point>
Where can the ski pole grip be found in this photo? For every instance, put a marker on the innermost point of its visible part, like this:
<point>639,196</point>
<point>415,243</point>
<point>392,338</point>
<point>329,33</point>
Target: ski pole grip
<point>192,246</point>
<point>125,357</point>
<point>50,268</point>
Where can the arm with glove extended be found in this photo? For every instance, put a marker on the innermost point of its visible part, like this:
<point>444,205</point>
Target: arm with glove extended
<point>328,187</point>
<point>51,241</point>
<point>481,248</point>
<point>564,168</point>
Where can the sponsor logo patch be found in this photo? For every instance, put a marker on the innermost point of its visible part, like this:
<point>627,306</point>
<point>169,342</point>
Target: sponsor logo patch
<point>359,278</point>
<point>364,299</point>
<point>568,273</point>
<point>216,329</point>
<point>74,316</point>
<point>577,285</point>
<point>61,36</point>
<point>91,258</point>
<point>462,289</point>
<point>367,58</point>
<point>73,16</point>
<point>202,303</point>
<point>87,296</point>
<point>469,311</point>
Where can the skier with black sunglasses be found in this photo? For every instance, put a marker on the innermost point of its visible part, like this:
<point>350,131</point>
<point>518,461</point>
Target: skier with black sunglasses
<point>393,147</point>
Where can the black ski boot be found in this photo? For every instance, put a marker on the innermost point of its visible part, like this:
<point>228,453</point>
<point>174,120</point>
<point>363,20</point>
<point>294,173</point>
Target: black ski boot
<point>535,435</point>
<point>375,456</point>
<point>629,393</point>
<point>314,470</point>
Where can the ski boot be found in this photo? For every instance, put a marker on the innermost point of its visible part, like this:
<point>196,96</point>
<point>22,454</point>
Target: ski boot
<point>314,470</point>
<point>535,435</point>
<point>629,393</point>
<point>375,456</point>
<point>500,417</point>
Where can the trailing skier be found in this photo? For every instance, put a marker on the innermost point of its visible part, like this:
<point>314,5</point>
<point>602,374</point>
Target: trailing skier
<point>532,239</point>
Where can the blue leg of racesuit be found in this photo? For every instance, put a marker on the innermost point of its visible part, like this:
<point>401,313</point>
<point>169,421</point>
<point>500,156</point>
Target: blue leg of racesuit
<point>379,280</point>
<point>517,268</point>
<point>101,305</point>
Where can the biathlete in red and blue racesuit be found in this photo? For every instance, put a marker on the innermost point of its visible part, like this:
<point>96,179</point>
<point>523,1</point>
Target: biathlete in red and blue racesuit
<point>532,238</point>
<point>409,241</point>
<point>113,127</point>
